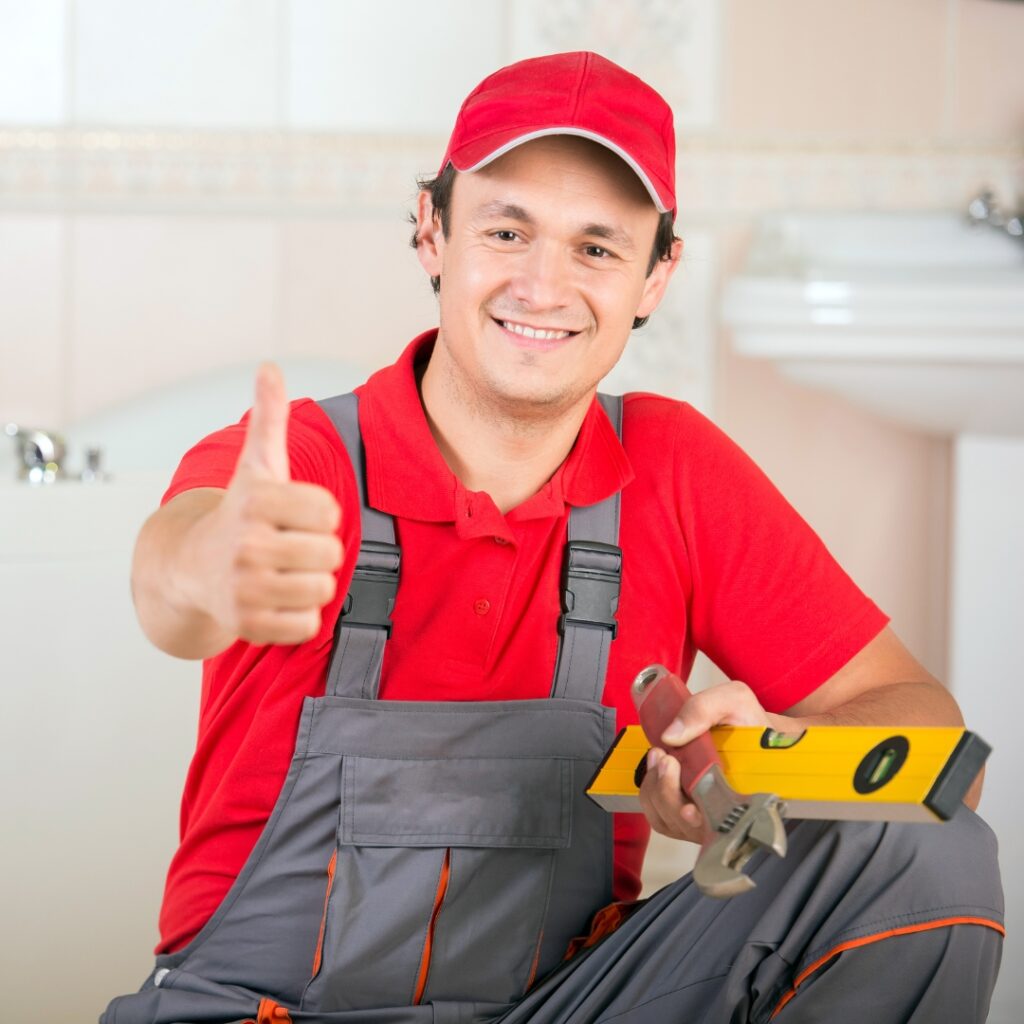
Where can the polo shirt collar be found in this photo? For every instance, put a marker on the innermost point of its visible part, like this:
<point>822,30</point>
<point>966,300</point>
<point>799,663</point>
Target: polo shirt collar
<point>407,476</point>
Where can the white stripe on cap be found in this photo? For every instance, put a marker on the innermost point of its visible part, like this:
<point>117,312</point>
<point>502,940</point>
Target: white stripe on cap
<point>583,134</point>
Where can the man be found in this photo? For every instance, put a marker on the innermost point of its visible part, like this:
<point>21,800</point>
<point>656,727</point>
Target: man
<point>384,818</point>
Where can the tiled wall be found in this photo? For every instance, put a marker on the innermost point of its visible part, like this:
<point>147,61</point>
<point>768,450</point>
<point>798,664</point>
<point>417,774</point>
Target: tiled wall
<point>875,73</point>
<point>193,184</point>
<point>190,184</point>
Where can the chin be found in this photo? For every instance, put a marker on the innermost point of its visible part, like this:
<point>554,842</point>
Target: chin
<point>539,397</point>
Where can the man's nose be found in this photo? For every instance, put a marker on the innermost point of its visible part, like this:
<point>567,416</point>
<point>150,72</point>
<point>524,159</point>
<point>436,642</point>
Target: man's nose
<point>543,278</point>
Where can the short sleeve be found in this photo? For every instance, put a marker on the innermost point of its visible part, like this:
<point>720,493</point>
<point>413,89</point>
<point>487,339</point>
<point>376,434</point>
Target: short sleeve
<point>771,606</point>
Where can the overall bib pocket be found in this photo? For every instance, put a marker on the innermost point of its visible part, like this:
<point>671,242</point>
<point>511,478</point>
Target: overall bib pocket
<point>441,879</point>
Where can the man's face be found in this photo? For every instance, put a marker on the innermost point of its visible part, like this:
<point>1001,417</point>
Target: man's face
<point>542,272</point>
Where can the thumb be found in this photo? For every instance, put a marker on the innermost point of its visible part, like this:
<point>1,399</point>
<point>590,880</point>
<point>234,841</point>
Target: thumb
<point>265,452</point>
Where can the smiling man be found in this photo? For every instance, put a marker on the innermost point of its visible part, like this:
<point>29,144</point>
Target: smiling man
<point>541,284</point>
<point>548,255</point>
<point>420,609</point>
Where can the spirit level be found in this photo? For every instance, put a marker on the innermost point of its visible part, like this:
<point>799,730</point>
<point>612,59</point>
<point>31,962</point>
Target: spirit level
<point>869,773</point>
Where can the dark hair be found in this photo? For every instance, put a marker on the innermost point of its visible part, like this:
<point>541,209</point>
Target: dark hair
<point>440,189</point>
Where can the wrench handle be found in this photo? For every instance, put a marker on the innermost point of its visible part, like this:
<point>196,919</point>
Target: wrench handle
<point>659,695</point>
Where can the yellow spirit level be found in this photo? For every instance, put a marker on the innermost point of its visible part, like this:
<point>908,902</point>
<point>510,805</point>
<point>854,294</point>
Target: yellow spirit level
<point>870,773</point>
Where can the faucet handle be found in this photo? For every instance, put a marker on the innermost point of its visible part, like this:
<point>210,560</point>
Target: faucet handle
<point>983,209</point>
<point>93,472</point>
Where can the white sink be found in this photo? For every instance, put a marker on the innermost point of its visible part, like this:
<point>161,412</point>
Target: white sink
<point>918,317</point>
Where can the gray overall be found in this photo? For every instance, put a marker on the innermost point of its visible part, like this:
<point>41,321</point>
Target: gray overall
<point>398,818</point>
<point>431,862</point>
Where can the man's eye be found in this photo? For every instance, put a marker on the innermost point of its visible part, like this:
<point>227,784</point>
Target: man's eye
<point>506,236</point>
<point>597,252</point>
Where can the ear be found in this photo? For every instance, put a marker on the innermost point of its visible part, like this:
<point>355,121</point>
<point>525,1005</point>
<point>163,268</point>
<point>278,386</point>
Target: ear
<point>658,279</point>
<point>430,238</point>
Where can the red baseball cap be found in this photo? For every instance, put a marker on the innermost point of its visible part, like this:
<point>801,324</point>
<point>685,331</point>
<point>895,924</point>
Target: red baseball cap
<point>569,94</point>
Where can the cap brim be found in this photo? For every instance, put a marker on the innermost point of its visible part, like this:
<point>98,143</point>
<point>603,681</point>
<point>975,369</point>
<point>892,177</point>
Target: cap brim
<point>482,152</point>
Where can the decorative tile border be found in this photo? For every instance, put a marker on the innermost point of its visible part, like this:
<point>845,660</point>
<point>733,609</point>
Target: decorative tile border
<point>279,174</point>
<point>749,181</point>
<point>272,173</point>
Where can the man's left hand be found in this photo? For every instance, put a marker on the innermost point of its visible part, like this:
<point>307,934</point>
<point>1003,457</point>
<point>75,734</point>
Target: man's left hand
<point>666,806</point>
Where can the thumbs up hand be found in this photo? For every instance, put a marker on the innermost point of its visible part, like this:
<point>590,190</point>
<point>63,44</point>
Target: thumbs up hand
<point>264,558</point>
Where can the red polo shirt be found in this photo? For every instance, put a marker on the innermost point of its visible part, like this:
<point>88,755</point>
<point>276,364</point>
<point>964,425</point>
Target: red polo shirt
<point>713,559</point>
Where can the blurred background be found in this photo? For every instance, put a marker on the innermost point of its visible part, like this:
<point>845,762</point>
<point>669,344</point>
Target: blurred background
<point>190,187</point>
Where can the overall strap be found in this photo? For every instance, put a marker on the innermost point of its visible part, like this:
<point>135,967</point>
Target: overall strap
<point>591,577</point>
<point>364,623</point>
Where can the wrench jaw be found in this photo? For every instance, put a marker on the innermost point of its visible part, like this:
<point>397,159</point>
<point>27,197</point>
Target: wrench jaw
<point>737,826</point>
<point>713,875</point>
<point>767,828</point>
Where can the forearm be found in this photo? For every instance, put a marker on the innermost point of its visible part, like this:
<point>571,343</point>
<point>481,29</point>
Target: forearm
<point>916,702</point>
<point>912,703</point>
<point>883,684</point>
<point>161,570</point>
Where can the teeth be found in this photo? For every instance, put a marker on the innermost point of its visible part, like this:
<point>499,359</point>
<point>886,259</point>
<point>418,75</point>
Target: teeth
<point>529,332</point>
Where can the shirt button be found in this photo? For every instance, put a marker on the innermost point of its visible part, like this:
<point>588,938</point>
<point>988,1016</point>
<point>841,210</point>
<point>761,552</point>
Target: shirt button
<point>500,540</point>
<point>482,606</point>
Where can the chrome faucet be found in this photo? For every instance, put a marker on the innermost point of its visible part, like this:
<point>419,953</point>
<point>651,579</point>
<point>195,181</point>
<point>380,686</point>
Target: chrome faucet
<point>983,209</point>
<point>40,453</point>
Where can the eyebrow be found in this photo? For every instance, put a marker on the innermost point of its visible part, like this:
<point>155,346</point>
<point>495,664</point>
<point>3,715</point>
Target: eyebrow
<point>499,208</point>
<point>613,235</point>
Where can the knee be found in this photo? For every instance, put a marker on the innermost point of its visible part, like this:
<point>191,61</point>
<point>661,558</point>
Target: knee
<point>954,863</point>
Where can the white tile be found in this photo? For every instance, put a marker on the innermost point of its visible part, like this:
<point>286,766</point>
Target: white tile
<point>390,66</point>
<point>177,62</point>
<point>353,290</point>
<point>32,62</point>
<point>673,354</point>
<point>159,299</point>
<point>31,297</point>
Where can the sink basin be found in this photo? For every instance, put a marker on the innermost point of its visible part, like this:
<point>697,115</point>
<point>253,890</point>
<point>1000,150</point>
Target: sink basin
<point>918,317</point>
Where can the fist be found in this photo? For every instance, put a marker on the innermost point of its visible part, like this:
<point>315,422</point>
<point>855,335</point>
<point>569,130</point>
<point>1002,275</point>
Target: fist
<point>267,554</point>
<point>666,805</point>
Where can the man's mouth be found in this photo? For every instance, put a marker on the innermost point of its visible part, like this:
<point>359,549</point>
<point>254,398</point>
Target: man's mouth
<point>535,333</point>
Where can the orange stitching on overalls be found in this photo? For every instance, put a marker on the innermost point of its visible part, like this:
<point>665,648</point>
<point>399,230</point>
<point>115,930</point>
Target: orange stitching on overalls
<point>318,955</point>
<point>442,889</point>
<point>868,939</point>
<point>536,962</point>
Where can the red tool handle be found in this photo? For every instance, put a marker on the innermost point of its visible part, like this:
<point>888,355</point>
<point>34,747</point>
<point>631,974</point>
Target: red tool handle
<point>659,694</point>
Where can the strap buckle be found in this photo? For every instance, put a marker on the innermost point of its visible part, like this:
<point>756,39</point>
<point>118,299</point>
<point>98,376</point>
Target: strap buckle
<point>371,594</point>
<point>591,576</point>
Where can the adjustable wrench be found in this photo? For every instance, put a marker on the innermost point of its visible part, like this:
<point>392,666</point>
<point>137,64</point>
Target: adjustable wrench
<point>735,824</point>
